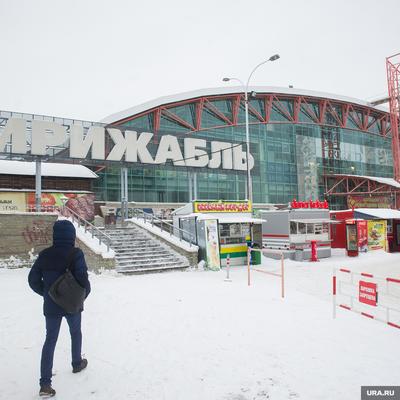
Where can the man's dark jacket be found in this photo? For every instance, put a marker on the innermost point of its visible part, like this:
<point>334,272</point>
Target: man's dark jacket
<point>51,264</point>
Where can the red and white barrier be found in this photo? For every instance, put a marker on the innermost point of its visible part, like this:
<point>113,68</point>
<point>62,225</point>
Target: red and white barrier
<point>281,275</point>
<point>370,289</point>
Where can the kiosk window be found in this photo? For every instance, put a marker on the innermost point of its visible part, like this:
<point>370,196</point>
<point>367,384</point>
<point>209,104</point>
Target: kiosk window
<point>235,230</point>
<point>302,228</point>
<point>318,229</point>
<point>310,228</point>
<point>224,230</point>
<point>293,228</point>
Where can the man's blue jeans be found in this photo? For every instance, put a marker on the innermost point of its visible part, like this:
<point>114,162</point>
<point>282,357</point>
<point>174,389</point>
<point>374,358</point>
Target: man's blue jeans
<point>53,324</point>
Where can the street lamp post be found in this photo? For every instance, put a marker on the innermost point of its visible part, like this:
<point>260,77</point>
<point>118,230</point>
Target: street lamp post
<point>246,105</point>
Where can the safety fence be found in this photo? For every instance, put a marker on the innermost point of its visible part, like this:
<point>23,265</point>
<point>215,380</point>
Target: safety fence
<point>253,268</point>
<point>369,295</point>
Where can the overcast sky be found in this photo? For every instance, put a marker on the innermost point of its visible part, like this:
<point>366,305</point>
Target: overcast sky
<point>87,59</point>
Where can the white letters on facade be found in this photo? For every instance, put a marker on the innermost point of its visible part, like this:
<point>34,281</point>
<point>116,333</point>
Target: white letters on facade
<point>195,152</point>
<point>129,146</point>
<point>169,149</point>
<point>239,159</point>
<point>16,131</point>
<point>79,146</point>
<point>45,134</point>
<point>218,148</point>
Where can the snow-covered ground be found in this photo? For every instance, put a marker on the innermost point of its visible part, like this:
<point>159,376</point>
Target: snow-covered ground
<point>191,336</point>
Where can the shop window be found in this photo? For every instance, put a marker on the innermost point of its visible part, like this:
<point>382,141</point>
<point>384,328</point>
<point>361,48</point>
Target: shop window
<point>302,228</point>
<point>310,229</point>
<point>293,228</point>
<point>318,229</point>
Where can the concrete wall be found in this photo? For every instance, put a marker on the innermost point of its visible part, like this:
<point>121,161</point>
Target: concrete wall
<point>24,235</point>
<point>95,262</point>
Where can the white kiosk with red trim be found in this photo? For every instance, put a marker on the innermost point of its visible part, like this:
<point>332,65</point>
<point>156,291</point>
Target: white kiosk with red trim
<point>293,229</point>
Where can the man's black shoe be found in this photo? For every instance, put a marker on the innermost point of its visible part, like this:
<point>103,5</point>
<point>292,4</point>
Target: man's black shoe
<point>47,391</point>
<point>81,366</point>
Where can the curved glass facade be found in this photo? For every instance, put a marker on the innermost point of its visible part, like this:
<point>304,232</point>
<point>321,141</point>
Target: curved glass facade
<point>291,158</point>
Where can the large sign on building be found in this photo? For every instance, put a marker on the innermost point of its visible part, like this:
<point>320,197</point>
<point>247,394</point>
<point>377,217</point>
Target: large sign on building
<point>222,206</point>
<point>375,201</point>
<point>107,144</point>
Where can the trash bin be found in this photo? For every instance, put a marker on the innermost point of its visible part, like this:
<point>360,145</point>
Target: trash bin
<point>256,257</point>
<point>298,255</point>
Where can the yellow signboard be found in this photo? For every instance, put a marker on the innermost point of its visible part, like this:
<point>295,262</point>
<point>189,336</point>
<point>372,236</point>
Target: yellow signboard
<point>222,206</point>
<point>12,201</point>
<point>376,234</point>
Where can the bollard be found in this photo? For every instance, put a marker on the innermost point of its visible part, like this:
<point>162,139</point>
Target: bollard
<point>314,255</point>
<point>228,263</point>
<point>334,293</point>
<point>282,276</point>
<point>248,265</point>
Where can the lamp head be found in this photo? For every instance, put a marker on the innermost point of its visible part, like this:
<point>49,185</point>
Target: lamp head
<point>226,79</point>
<point>274,57</point>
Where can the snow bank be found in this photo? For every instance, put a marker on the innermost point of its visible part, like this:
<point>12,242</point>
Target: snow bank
<point>165,235</point>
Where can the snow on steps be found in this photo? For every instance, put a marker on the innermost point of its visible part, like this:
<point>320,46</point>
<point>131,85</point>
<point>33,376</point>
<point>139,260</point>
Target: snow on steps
<point>136,251</point>
<point>91,242</point>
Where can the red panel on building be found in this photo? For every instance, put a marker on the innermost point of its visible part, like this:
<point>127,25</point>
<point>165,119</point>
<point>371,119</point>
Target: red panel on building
<point>338,231</point>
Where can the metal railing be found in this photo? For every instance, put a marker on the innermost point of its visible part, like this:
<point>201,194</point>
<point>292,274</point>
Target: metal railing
<point>171,229</point>
<point>100,235</point>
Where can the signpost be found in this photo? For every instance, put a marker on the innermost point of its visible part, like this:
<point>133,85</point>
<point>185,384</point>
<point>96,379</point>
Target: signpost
<point>367,293</point>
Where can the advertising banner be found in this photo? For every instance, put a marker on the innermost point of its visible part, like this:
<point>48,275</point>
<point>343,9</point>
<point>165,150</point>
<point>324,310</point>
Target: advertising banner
<point>376,235</point>
<point>362,233</point>
<point>81,203</point>
<point>12,201</point>
<point>351,232</point>
<point>212,245</point>
<point>369,202</point>
<point>367,293</point>
<point>222,206</point>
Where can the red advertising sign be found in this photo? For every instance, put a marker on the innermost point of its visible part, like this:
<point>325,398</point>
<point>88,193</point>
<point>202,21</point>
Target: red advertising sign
<point>309,204</point>
<point>367,293</point>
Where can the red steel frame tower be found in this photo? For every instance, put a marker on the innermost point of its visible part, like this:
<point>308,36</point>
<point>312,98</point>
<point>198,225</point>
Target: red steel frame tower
<point>393,77</point>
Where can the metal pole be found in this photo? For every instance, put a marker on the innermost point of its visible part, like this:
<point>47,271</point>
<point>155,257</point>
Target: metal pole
<point>195,185</point>
<point>249,189</point>
<point>38,185</point>
<point>282,276</point>
<point>334,293</point>
<point>126,192</point>
<point>122,192</point>
<point>248,265</point>
<point>190,186</point>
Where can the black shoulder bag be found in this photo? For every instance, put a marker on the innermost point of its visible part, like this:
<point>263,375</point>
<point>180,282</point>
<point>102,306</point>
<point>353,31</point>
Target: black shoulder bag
<point>66,291</point>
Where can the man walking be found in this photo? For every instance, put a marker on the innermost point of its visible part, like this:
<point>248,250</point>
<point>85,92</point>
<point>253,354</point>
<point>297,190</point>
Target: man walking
<point>49,266</point>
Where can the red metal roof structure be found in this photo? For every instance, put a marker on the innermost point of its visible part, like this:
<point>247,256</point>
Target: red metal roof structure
<point>267,106</point>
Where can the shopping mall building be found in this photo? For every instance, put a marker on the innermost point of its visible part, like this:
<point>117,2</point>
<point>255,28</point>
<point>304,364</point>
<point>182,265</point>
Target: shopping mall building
<point>300,140</point>
<point>303,145</point>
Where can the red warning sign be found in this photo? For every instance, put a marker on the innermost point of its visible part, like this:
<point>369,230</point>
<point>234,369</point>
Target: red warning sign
<point>367,293</point>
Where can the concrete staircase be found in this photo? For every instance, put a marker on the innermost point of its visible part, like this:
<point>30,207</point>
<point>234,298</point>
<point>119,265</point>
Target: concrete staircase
<point>136,251</point>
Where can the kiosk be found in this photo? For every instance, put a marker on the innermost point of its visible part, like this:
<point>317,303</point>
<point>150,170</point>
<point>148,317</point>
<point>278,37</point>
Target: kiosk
<point>220,228</point>
<point>292,230</point>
